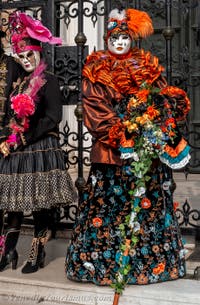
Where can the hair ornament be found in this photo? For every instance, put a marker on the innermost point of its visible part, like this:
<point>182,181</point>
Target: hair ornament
<point>135,23</point>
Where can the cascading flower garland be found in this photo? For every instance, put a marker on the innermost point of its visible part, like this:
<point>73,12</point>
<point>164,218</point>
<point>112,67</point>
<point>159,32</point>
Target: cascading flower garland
<point>147,131</point>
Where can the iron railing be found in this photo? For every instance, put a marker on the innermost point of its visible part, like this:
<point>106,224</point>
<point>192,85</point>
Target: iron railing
<point>176,42</point>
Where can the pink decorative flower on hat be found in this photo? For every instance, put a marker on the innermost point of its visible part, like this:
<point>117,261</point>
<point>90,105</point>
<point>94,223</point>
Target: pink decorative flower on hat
<point>24,27</point>
<point>37,30</point>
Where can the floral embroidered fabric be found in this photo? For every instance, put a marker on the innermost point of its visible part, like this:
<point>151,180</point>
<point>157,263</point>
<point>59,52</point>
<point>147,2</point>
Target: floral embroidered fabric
<point>93,253</point>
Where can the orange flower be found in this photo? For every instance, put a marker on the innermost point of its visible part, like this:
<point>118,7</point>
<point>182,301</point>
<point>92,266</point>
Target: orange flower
<point>145,203</point>
<point>167,106</point>
<point>142,279</point>
<point>142,119</point>
<point>179,94</point>
<point>152,112</point>
<point>115,133</point>
<point>126,143</point>
<point>106,281</point>
<point>159,269</point>
<point>173,91</point>
<point>131,126</point>
<point>170,121</point>
<point>127,244</point>
<point>175,205</point>
<point>142,95</point>
<point>174,273</point>
<point>97,222</point>
<point>163,128</point>
<point>83,256</point>
<point>155,248</point>
<point>132,103</point>
<point>171,133</point>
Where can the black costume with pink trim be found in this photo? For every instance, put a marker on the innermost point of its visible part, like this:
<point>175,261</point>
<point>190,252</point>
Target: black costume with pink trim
<point>34,175</point>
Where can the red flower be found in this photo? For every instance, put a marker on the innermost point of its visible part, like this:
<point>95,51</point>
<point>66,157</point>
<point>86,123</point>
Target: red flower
<point>97,222</point>
<point>142,95</point>
<point>115,133</point>
<point>23,105</point>
<point>170,121</point>
<point>160,268</point>
<point>145,203</point>
<point>175,205</point>
<point>152,112</point>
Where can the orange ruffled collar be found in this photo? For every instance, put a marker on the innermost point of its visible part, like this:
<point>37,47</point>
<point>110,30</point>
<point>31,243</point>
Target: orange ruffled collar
<point>125,74</point>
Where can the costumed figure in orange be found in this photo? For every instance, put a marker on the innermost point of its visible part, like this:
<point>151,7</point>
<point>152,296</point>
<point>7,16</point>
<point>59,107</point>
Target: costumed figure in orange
<point>126,230</point>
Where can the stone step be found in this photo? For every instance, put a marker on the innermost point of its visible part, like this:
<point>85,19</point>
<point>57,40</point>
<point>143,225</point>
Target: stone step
<point>49,286</point>
<point>31,292</point>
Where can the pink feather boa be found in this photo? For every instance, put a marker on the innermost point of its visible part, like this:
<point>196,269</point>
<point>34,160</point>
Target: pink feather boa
<point>24,104</point>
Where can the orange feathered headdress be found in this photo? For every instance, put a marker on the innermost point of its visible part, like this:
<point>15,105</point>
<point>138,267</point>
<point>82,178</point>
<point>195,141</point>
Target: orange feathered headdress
<point>136,23</point>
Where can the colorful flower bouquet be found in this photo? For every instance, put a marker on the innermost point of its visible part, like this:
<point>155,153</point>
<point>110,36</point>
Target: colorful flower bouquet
<point>146,131</point>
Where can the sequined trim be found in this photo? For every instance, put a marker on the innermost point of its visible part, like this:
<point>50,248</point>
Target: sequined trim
<point>25,192</point>
<point>3,72</point>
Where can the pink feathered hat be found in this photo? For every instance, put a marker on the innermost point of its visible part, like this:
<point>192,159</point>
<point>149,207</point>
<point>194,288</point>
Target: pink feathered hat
<point>27,33</point>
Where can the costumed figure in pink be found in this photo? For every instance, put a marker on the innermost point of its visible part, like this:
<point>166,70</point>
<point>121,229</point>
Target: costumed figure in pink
<point>33,175</point>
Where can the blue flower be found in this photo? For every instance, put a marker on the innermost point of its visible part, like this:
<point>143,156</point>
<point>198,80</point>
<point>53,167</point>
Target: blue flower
<point>107,254</point>
<point>112,199</point>
<point>168,220</point>
<point>123,198</point>
<point>136,202</point>
<point>85,196</point>
<point>153,278</point>
<point>117,190</point>
<point>132,280</point>
<point>155,194</point>
<point>110,173</point>
<point>125,260</point>
<point>127,170</point>
<point>164,276</point>
<point>117,256</point>
<point>94,235</point>
<point>174,244</point>
<point>182,271</point>
<point>144,250</point>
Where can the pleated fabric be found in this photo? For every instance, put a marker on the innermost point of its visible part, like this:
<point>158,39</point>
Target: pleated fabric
<point>35,178</point>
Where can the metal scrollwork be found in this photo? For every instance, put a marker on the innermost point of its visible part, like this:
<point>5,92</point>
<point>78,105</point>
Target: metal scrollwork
<point>185,5</point>
<point>96,10</point>
<point>67,138</point>
<point>154,8</point>
<point>66,70</point>
<point>66,12</point>
<point>91,9</point>
<point>188,216</point>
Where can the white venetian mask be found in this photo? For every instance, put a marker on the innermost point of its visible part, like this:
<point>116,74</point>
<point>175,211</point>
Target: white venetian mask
<point>29,60</point>
<point>119,44</point>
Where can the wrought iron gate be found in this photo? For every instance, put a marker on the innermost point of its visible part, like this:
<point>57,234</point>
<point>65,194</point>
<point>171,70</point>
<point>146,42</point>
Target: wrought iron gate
<point>176,42</point>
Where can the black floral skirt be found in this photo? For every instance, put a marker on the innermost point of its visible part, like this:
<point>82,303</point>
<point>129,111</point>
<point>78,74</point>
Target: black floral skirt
<point>35,178</point>
<point>93,254</point>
